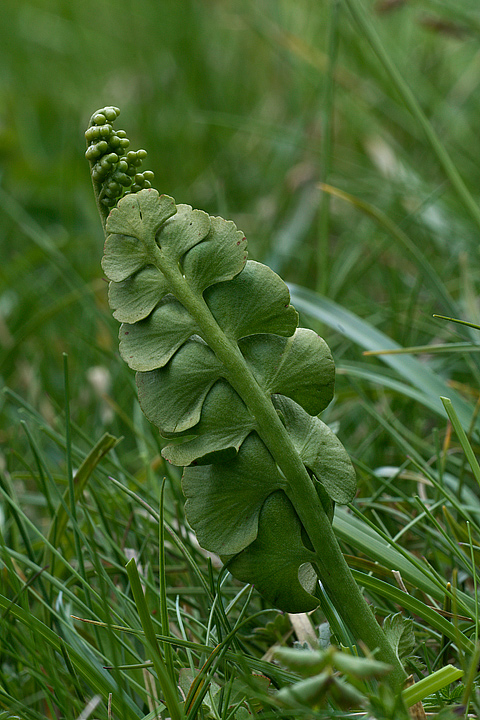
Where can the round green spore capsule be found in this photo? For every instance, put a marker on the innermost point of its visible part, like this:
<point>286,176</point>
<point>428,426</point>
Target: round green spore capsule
<point>123,179</point>
<point>111,113</point>
<point>105,163</point>
<point>93,133</point>
<point>109,202</point>
<point>115,187</point>
<point>92,152</point>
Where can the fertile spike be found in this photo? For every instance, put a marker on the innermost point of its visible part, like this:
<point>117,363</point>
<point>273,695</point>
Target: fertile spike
<point>115,171</point>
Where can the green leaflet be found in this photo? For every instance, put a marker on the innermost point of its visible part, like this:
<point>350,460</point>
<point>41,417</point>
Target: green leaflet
<point>224,499</point>
<point>218,259</point>
<point>135,297</point>
<point>127,248</point>
<point>277,562</point>
<point>150,343</point>
<point>300,366</point>
<point>224,424</point>
<point>172,396</point>
<point>178,278</point>
<point>320,449</point>
<point>255,301</point>
<point>399,631</point>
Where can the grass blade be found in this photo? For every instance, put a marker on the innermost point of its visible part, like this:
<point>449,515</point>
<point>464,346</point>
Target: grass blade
<point>356,533</point>
<point>88,669</point>
<point>169,690</point>
<point>167,648</point>
<point>59,522</point>
<point>431,684</point>
<point>368,30</point>
<point>414,606</point>
<point>415,373</point>
<point>401,238</point>
<point>462,437</point>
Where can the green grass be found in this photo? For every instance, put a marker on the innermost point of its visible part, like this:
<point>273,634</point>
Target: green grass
<point>244,108</point>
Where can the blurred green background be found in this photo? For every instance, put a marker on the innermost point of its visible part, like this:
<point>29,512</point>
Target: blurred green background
<point>244,107</point>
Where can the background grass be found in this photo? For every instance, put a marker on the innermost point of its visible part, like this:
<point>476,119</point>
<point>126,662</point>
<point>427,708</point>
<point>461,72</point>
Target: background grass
<point>244,108</point>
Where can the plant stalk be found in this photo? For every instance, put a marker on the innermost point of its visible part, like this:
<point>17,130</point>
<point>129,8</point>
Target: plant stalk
<point>334,572</point>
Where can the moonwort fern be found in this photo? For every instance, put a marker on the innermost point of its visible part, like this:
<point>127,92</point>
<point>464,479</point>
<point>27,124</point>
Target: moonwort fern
<point>228,377</point>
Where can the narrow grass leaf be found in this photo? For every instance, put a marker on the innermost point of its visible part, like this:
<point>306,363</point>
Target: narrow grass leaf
<point>431,684</point>
<point>59,522</point>
<point>426,268</point>
<point>462,437</point>
<point>364,538</point>
<point>95,676</point>
<point>168,688</point>
<point>417,374</point>
<point>167,648</point>
<point>369,32</point>
<point>414,606</point>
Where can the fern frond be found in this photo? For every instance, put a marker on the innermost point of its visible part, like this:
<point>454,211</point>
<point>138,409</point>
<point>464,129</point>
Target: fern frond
<point>230,380</point>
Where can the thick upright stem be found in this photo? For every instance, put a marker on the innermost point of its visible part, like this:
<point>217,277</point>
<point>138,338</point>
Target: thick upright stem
<point>333,570</point>
<point>338,581</point>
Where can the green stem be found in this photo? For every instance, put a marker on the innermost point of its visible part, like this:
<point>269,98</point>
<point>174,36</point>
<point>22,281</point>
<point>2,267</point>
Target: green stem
<point>333,569</point>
